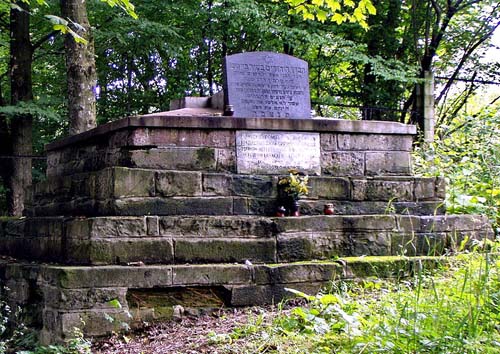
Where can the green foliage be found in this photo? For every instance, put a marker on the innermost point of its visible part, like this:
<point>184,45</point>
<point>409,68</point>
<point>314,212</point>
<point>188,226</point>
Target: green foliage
<point>467,153</point>
<point>456,310</point>
<point>333,10</point>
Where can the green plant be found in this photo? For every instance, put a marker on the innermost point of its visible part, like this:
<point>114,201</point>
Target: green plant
<point>295,185</point>
<point>452,309</point>
<point>467,153</point>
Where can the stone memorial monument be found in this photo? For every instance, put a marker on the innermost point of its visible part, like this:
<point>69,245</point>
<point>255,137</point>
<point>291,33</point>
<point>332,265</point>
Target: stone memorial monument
<point>142,209</point>
<point>267,85</point>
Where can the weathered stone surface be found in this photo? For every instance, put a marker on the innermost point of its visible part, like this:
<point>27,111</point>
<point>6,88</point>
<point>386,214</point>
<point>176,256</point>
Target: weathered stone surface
<point>84,298</point>
<point>226,160</point>
<point>426,188</point>
<point>133,182</point>
<point>102,252</point>
<point>420,208</point>
<point>447,223</point>
<point>184,158</point>
<point>208,275</point>
<point>329,188</point>
<point>239,185</point>
<point>269,294</point>
<point>91,322</point>
<point>372,243</point>
<point>70,277</point>
<point>105,227</point>
<point>266,84</point>
<point>388,163</point>
<point>343,163</point>
<point>369,189</point>
<point>375,142</point>
<point>328,142</point>
<point>264,152</point>
<point>309,223</point>
<point>310,245</point>
<point>225,250</point>
<point>183,137</point>
<point>296,273</point>
<point>419,244</point>
<point>169,206</point>
<point>152,225</point>
<point>175,183</point>
<point>222,226</point>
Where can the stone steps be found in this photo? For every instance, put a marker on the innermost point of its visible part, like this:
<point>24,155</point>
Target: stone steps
<point>222,239</point>
<point>133,191</point>
<point>71,295</point>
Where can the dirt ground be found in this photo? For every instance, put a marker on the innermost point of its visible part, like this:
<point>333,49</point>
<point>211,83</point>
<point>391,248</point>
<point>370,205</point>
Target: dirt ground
<point>187,335</point>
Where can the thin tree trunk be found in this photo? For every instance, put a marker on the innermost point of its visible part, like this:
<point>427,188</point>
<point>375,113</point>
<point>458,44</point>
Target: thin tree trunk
<point>80,66</point>
<point>21,56</point>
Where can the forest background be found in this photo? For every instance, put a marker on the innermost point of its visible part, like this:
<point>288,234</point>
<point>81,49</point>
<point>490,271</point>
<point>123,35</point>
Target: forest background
<point>358,70</point>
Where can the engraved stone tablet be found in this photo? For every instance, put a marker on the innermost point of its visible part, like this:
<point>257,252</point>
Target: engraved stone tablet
<point>274,152</point>
<point>265,84</point>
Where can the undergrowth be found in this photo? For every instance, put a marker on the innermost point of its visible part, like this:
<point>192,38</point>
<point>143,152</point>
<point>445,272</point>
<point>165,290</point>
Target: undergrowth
<point>456,310</point>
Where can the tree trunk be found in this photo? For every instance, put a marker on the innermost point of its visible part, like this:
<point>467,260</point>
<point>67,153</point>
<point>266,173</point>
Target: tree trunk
<point>21,57</point>
<point>81,71</point>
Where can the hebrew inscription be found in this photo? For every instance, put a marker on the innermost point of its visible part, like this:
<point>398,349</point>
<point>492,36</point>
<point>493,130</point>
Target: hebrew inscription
<point>265,84</point>
<point>274,152</point>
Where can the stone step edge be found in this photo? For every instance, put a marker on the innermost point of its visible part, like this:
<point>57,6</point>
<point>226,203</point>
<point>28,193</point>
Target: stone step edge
<point>145,276</point>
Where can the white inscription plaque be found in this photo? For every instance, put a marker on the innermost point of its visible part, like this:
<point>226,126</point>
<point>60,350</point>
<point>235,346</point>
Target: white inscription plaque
<point>274,152</point>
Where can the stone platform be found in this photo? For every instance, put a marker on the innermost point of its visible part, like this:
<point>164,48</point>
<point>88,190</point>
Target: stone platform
<point>158,206</point>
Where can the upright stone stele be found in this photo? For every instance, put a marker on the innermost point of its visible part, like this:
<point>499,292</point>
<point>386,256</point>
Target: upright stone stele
<point>267,85</point>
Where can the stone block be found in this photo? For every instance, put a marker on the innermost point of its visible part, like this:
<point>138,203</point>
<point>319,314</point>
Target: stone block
<point>251,295</point>
<point>382,267</point>
<point>329,188</point>
<point>225,160</point>
<point>261,206</point>
<point>224,250</point>
<point>419,244</point>
<point>316,223</point>
<point>369,222</point>
<point>383,190</point>
<point>254,186</point>
<point>209,275</point>
<point>408,224</point>
<point>105,227</point>
<point>217,184</point>
<point>374,142</point>
<point>328,142</point>
<point>83,298</point>
<point>93,322</point>
<point>103,252</point>
<point>75,277</point>
<point>239,185</point>
<point>440,188</point>
<point>310,245</point>
<point>388,163</point>
<point>133,182</point>
<point>174,158</point>
<point>448,223</point>
<point>297,273</point>
<point>182,138</point>
<point>170,206</point>
<point>420,208</point>
<point>177,183</point>
<point>425,188</point>
<point>343,163</point>
<point>152,225</point>
<point>219,227</point>
<point>373,243</point>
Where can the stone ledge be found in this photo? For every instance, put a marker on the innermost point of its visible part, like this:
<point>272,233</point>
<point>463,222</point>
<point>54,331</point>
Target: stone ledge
<point>165,120</point>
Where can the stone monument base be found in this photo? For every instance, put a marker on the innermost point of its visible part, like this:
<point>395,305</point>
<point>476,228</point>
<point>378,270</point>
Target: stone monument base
<point>143,211</point>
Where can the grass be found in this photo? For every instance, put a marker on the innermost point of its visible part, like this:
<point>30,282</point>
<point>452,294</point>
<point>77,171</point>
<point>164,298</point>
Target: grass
<point>453,310</point>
